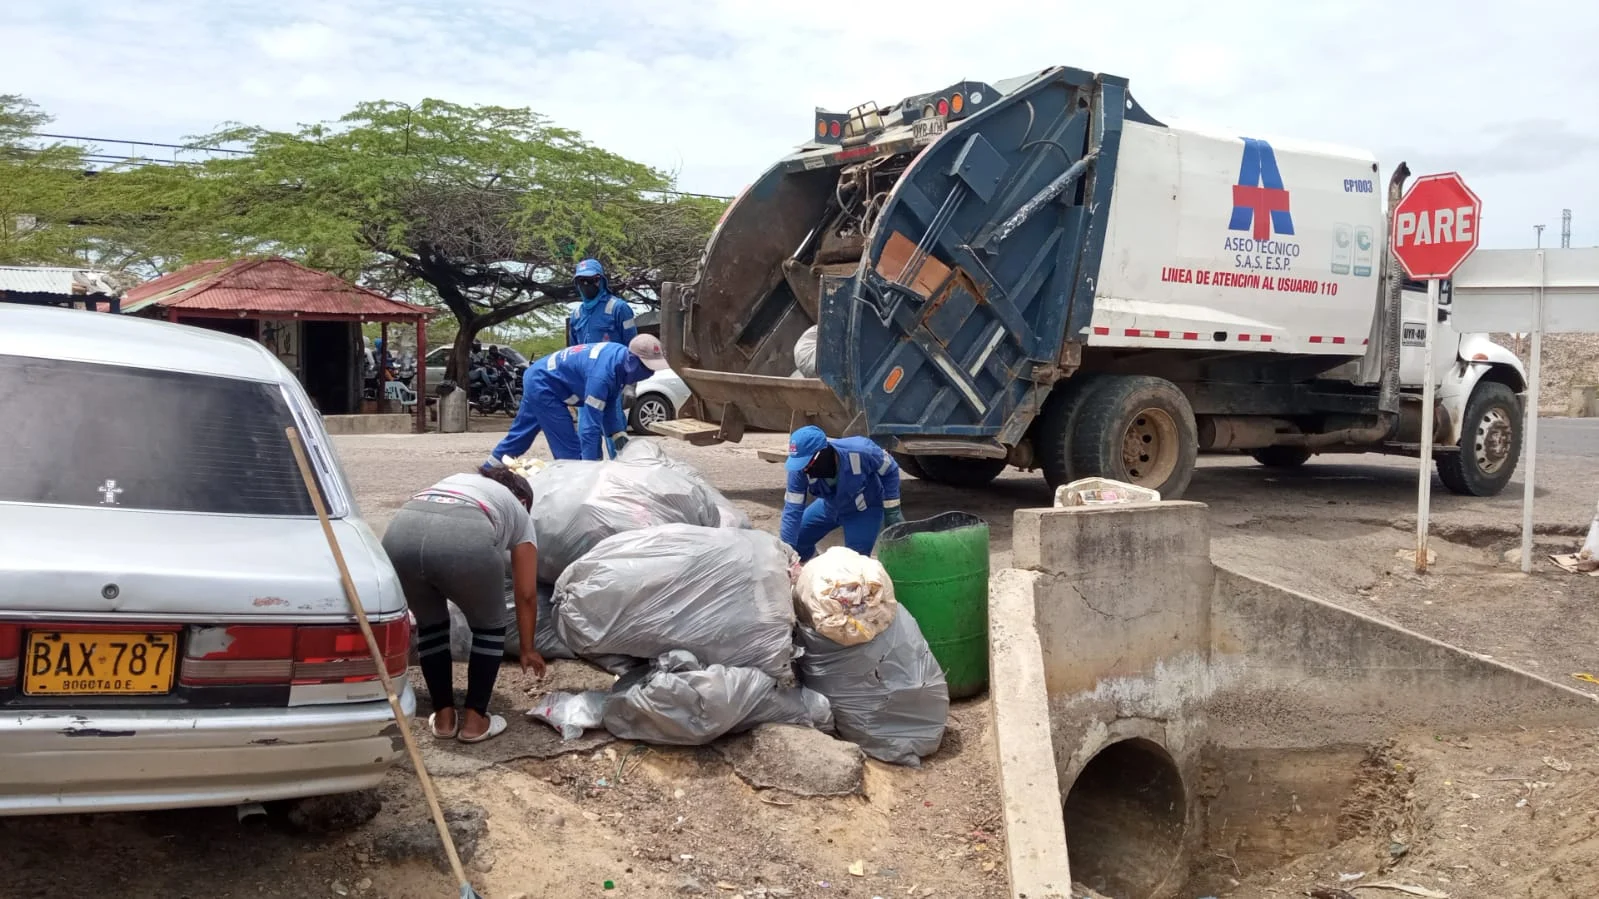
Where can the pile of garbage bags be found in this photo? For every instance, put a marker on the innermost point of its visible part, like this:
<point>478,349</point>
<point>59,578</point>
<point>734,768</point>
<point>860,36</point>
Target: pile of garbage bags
<point>711,626</point>
<point>723,594</point>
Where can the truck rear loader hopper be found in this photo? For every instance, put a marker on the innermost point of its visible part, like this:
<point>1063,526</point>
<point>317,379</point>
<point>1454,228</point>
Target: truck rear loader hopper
<point>1038,273</point>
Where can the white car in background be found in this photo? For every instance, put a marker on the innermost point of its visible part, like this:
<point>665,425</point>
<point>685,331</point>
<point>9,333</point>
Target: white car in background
<point>172,628</point>
<point>655,399</point>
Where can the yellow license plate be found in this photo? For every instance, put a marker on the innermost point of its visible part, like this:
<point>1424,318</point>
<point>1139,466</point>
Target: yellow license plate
<point>64,663</point>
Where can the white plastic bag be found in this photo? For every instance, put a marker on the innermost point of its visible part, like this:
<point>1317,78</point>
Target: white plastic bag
<point>577,504</point>
<point>725,595</point>
<point>570,713</point>
<point>805,353</point>
<point>888,695</point>
<point>1590,546</point>
<point>845,596</point>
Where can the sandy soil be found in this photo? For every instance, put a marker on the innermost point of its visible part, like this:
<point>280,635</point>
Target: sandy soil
<point>675,821</point>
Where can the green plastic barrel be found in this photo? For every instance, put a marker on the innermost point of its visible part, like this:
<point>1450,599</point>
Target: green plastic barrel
<point>939,567</point>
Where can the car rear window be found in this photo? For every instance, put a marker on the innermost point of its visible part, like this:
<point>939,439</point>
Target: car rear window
<point>81,434</point>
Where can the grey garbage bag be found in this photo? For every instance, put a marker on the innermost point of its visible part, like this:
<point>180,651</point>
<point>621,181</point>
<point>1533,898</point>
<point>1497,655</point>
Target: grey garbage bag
<point>677,701</point>
<point>570,713</point>
<point>577,504</point>
<point>649,452</point>
<point>888,695</point>
<point>791,705</point>
<point>546,642</point>
<point>723,594</point>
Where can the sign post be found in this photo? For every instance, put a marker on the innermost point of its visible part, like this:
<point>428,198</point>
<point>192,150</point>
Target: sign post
<point>1529,291</point>
<point>1434,230</point>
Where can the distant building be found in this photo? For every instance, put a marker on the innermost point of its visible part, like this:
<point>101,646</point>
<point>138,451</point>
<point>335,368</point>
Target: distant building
<point>74,288</point>
<point>310,320</point>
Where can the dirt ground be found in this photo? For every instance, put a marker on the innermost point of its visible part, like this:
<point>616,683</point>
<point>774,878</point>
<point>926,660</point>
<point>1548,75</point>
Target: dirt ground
<point>550,819</point>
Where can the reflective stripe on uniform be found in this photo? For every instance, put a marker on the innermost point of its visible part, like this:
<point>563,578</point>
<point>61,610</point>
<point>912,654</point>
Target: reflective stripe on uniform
<point>610,306</point>
<point>860,501</point>
<point>594,402</point>
<point>888,462</point>
<point>552,361</point>
<point>891,504</point>
<point>572,400</point>
<point>855,462</point>
<point>792,497</point>
<point>595,353</point>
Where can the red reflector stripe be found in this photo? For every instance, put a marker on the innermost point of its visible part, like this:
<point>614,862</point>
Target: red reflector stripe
<point>1132,332</point>
<point>1102,332</point>
<point>1315,338</point>
<point>855,153</point>
<point>1244,338</point>
<point>1190,335</point>
<point>1338,340</point>
<point>1265,338</point>
<point>1163,335</point>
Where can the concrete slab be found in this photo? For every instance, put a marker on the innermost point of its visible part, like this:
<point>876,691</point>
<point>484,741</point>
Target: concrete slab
<point>1035,842</point>
<point>401,423</point>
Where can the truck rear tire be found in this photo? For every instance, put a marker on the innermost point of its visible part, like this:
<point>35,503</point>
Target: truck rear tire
<point>1490,443</point>
<point>1052,435</point>
<point>909,465</point>
<point>1282,456</point>
<point>959,471</point>
<point>1138,429</point>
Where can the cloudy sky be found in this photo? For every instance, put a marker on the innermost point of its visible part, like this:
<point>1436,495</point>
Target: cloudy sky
<point>1505,93</point>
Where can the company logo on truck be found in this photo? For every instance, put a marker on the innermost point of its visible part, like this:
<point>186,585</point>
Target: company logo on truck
<point>1260,202</point>
<point>1261,208</point>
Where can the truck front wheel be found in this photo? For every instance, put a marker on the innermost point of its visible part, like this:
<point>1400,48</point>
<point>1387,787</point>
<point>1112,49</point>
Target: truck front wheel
<point>1490,443</point>
<point>959,471</point>
<point>1137,429</point>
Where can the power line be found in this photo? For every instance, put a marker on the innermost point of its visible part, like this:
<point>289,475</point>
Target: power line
<point>106,158</point>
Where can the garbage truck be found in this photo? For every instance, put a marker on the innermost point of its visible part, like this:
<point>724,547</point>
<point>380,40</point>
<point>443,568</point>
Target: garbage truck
<point>1038,273</point>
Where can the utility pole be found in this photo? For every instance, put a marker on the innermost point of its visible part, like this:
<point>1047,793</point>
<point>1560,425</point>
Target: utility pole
<point>1565,229</point>
<point>1539,230</point>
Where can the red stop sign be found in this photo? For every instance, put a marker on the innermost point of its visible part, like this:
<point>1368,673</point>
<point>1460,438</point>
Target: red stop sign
<point>1435,226</point>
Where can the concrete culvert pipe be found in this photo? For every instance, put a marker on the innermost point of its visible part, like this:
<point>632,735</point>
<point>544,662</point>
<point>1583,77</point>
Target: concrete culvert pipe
<point>1126,817</point>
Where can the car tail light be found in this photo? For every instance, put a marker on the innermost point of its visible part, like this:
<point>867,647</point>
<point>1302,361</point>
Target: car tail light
<point>339,654</point>
<point>10,650</point>
<point>288,654</point>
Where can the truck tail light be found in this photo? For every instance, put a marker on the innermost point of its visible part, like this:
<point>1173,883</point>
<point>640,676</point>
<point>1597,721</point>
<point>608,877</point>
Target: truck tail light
<point>10,650</point>
<point>287,654</point>
<point>943,106</point>
<point>956,104</point>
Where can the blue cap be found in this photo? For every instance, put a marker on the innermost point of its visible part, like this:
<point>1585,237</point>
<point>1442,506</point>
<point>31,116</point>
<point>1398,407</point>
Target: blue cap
<point>803,445</point>
<point>589,268</point>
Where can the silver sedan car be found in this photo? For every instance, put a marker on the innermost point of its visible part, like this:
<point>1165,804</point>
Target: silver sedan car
<point>172,628</point>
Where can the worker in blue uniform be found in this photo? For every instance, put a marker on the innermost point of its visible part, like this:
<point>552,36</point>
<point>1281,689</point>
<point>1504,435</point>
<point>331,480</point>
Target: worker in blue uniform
<point>856,485</point>
<point>601,315</point>
<point>590,378</point>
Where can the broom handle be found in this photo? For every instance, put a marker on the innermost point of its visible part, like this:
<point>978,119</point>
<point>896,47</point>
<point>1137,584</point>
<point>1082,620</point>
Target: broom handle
<point>377,656</point>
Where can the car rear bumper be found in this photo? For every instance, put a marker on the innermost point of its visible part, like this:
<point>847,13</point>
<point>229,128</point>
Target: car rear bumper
<point>107,760</point>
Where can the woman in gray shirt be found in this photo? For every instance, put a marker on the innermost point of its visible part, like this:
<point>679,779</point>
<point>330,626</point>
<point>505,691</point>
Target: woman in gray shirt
<point>449,542</point>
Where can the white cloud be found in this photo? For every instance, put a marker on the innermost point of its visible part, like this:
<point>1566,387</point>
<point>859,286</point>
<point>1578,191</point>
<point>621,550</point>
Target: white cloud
<point>719,89</point>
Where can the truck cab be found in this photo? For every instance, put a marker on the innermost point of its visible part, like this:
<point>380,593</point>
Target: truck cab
<point>1038,273</point>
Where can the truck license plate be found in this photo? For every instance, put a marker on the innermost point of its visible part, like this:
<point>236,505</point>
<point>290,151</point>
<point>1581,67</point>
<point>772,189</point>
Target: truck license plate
<point>64,663</point>
<point>929,128</point>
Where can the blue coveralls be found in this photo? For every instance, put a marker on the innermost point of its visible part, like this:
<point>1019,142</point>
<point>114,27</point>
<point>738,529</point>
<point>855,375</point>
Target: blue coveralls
<point>607,317</point>
<point>866,485</point>
<point>587,376</point>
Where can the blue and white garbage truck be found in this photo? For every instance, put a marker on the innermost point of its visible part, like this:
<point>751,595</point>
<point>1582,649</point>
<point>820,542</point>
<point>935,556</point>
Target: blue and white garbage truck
<point>1039,273</point>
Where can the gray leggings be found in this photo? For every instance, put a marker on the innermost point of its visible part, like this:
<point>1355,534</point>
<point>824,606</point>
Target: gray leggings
<point>447,552</point>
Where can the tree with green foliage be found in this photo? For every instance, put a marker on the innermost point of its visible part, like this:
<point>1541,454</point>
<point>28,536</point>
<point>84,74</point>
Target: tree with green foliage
<point>42,187</point>
<point>486,208</point>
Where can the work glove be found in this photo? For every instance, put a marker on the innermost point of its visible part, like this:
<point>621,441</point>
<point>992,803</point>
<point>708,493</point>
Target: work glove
<point>619,440</point>
<point>893,516</point>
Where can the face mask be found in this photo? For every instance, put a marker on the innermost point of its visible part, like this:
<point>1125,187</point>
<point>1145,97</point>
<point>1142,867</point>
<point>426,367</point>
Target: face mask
<point>824,465</point>
<point>589,289</point>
